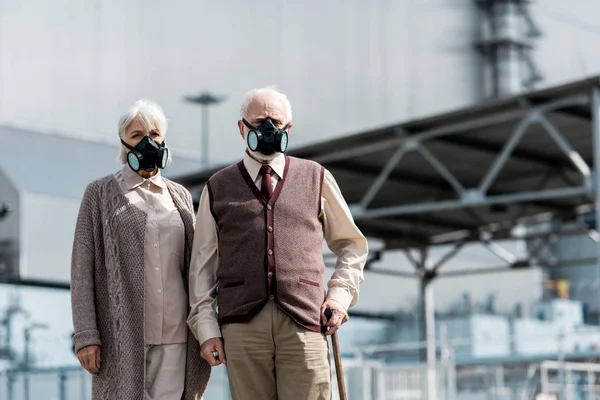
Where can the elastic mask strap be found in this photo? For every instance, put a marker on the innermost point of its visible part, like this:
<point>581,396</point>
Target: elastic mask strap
<point>247,124</point>
<point>126,145</point>
<point>251,127</point>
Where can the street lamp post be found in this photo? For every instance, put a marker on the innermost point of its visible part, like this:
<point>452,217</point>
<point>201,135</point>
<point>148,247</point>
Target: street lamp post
<point>205,99</point>
<point>27,356</point>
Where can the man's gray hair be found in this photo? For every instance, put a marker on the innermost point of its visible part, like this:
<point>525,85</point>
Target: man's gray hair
<point>150,115</point>
<point>251,94</point>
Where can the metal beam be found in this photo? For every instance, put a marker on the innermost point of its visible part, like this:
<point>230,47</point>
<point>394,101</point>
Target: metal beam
<point>370,315</point>
<point>596,144</point>
<point>500,252</point>
<point>408,239</point>
<point>383,176</point>
<point>450,129</point>
<point>449,255</point>
<point>562,143</point>
<point>423,135</point>
<point>583,114</point>
<point>477,123</point>
<point>402,177</point>
<point>389,272</point>
<point>505,154</point>
<point>393,224</point>
<point>442,170</point>
<point>417,264</point>
<point>360,213</point>
<point>486,146</point>
<point>506,268</point>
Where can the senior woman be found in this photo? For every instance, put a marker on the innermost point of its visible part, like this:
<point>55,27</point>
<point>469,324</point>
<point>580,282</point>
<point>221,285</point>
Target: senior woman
<point>129,273</point>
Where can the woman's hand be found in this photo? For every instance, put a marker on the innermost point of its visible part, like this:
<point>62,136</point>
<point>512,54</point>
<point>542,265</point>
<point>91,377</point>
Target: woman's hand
<point>89,358</point>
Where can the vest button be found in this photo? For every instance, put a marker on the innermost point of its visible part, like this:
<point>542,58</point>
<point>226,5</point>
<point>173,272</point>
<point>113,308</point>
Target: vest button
<point>270,229</point>
<point>272,296</point>
<point>270,252</point>
<point>269,207</point>
<point>270,274</point>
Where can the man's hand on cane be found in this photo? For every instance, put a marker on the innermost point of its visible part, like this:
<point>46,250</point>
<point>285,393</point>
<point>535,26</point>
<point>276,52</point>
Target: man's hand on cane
<point>89,358</point>
<point>338,316</point>
<point>213,352</point>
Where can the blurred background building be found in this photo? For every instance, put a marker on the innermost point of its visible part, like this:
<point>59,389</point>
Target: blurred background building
<point>516,313</point>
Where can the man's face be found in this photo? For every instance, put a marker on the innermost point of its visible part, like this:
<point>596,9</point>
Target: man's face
<point>265,105</point>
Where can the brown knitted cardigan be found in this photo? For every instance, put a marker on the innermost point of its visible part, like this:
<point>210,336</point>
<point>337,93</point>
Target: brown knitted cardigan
<point>107,290</point>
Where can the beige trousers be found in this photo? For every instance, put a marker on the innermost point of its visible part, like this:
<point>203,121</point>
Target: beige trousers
<point>272,357</point>
<point>165,371</point>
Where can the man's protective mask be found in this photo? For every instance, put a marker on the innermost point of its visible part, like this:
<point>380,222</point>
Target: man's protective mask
<point>147,155</point>
<point>267,139</point>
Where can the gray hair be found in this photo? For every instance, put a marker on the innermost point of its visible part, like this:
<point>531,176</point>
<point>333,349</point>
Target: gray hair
<point>251,94</point>
<point>150,115</point>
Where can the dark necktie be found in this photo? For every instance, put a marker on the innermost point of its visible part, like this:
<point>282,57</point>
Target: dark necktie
<point>266,186</point>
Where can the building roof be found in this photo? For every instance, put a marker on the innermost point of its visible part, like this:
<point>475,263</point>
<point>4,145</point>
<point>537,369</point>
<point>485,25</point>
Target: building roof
<point>483,167</point>
<point>63,166</point>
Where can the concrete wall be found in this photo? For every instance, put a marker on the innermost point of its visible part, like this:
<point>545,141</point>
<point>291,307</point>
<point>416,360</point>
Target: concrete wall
<point>345,64</point>
<point>47,230</point>
<point>569,47</point>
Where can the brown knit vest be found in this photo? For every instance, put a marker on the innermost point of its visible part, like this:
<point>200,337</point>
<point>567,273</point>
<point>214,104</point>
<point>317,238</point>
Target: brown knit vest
<point>269,250</point>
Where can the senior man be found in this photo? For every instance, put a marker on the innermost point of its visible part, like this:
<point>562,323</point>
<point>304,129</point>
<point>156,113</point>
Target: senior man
<point>256,293</point>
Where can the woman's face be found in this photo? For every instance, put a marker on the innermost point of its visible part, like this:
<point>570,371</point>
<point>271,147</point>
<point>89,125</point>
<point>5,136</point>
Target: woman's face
<point>134,133</point>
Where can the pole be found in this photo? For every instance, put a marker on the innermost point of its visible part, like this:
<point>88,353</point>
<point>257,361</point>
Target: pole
<point>62,380</point>
<point>10,381</point>
<point>205,100</point>
<point>26,363</point>
<point>431,346</point>
<point>448,363</point>
<point>596,141</point>
<point>561,361</point>
<point>83,386</point>
<point>205,138</point>
<point>26,385</point>
<point>367,376</point>
<point>423,282</point>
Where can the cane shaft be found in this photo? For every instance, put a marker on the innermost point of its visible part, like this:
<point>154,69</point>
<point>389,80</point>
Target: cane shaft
<point>337,357</point>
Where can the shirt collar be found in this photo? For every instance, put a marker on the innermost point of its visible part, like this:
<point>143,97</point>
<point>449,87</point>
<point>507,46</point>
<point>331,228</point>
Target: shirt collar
<point>133,180</point>
<point>253,167</point>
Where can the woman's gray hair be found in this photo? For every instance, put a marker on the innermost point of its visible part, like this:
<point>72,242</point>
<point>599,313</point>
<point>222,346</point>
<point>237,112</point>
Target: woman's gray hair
<point>251,94</point>
<point>150,115</point>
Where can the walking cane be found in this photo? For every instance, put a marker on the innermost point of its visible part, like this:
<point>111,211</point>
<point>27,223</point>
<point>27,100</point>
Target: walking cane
<point>337,357</point>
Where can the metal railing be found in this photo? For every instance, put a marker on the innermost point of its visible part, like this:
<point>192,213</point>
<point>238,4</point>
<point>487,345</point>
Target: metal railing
<point>64,383</point>
<point>384,372</point>
<point>569,380</point>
